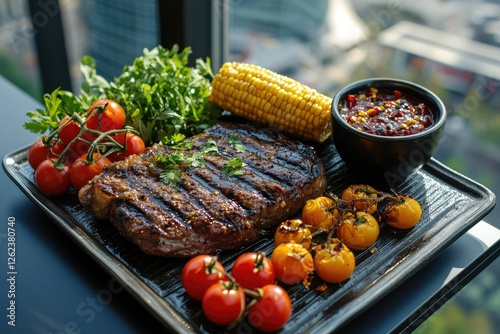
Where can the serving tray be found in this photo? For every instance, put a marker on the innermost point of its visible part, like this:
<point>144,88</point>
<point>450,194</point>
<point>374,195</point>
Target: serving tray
<point>451,204</point>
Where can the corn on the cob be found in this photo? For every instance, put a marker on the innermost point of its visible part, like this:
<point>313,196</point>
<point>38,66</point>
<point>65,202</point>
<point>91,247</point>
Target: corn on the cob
<point>274,100</point>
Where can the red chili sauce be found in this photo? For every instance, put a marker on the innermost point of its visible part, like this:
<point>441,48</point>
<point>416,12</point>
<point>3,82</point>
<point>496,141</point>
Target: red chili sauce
<point>386,113</point>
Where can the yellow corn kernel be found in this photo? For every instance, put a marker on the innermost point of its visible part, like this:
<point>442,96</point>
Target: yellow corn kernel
<point>272,99</point>
<point>363,113</point>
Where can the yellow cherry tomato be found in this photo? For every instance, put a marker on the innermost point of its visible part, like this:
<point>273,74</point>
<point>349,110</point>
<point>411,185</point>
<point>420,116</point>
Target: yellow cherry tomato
<point>293,230</point>
<point>292,263</point>
<point>358,231</point>
<point>361,197</point>
<point>334,262</point>
<point>402,212</point>
<point>320,212</point>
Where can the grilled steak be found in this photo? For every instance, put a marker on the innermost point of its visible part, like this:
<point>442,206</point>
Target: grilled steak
<point>209,210</point>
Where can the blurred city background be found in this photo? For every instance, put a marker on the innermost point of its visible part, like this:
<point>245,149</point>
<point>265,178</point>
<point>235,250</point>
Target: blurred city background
<point>449,46</point>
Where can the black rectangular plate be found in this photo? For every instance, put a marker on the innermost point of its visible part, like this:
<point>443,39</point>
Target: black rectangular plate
<point>451,205</point>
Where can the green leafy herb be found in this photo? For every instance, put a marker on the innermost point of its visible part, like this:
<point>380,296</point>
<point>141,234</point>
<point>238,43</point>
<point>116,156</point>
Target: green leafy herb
<point>161,94</point>
<point>171,177</point>
<point>57,105</point>
<point>210,147</point>
<point>164,96</point>
<point>174,139</point>
<point>234,141</point>
<point>171,163</point>
<point>234,167</point>
<point>174,163</point>
<point>196,160</point>
<point>178,142</point>
<point>170,160</point>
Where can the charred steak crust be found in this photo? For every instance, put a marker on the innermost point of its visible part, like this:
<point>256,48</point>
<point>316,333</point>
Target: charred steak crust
<point>208,211</point>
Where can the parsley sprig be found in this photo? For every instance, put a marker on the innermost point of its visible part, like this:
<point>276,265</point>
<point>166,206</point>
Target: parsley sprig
<point>160,92</point>
<point>234,167</point>
<point>235,141</point>
<point>172,164</point>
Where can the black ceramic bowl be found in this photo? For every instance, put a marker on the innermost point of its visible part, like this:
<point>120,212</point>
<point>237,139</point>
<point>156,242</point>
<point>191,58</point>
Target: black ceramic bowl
<point>393,158</point>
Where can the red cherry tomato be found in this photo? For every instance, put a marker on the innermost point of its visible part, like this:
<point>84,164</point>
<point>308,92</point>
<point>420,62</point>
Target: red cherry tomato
<point>81,146</point>
<point>56,150</point>
<point>68,131</point>
<point>223,304</point>
<point>105,115</point>
<point>133,145</point>
<point>253,270</point>
<point>272,311</point>
<point>82,172</point>
<point>51,179</point>
<point>37,153</point>
<point>200,273</point>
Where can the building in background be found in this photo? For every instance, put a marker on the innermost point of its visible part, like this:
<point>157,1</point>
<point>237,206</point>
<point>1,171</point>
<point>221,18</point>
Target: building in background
<point>118,31</point>
<point>18,60</point>
<point>113,32</point>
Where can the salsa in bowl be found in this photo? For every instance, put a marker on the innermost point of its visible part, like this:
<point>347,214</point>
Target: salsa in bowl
<point>386,112</point>
<point>384,127</point>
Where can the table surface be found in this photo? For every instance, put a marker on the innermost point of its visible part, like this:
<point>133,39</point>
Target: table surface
<point>57,288</point>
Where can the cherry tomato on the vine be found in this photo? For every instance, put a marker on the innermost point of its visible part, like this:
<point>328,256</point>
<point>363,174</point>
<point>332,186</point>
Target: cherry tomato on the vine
<point>105,115</point>
<point>253,270</point>
<point>37,153</point>
<point>56,150</point>
<point>293,230</point>
<point>82,145</point>
<point>320,212</point>
<point>404,212</point>
<point>71,154</point>
<point>132,143</point>
<point>358,231</point>
<point>68,130</point>
<point>51,179</point>
<point>82,172</point>
<point>199,273</point>
<point>361,197</point>
<point>292,262</point>
<point>272,310</point>
<point>334,262</point>
<point>223,303</point>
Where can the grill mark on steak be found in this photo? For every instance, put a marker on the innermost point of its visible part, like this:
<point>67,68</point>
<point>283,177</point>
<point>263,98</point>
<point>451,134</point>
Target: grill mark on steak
<point>252,157</point>
<point>187,204</point>
<point>216,205</point>
<point>175,214</point>
<point>259,187</point>
<point>208,211</point>
<point>245,197</point>
<point>261,144</point>
<point>274,177</point>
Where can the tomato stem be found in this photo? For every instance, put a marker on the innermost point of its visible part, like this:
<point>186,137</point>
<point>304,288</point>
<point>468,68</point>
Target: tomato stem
<point>255,296</point>
<point>102,138</point>
<point>259,261</point>
<point>211,266</point>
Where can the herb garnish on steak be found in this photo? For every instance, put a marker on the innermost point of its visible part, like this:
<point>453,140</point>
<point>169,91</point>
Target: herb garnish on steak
<point>209,209</point>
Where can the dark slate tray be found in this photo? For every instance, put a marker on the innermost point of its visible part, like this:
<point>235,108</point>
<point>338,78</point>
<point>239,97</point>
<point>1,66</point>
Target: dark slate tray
<point>451,205</point>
